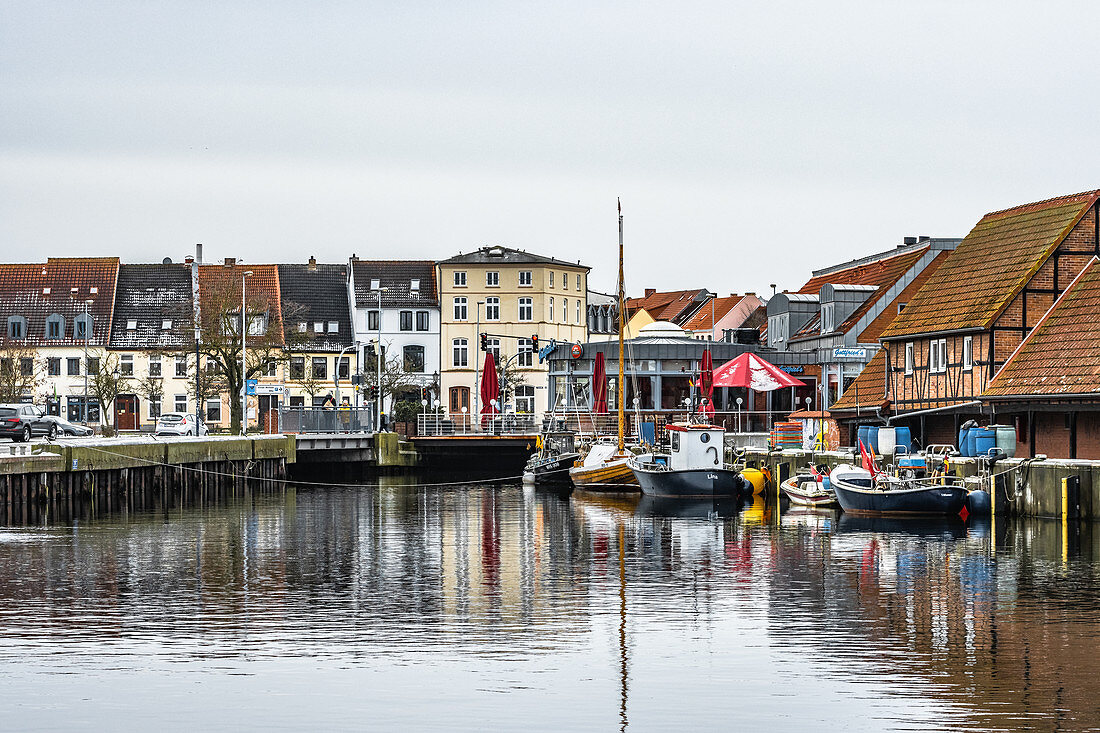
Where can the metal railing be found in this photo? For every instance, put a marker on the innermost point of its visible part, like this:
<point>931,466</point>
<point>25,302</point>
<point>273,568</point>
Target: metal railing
<point>466,424</point>
<point>325,420</point>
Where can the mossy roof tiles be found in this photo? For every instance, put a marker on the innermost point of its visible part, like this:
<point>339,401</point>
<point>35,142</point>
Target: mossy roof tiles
<point>1061,355</point>
<point>991,265</point>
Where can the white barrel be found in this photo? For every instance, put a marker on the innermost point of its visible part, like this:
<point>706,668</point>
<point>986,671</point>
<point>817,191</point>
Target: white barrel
<point>1006,438</point>
<point>886,440</point>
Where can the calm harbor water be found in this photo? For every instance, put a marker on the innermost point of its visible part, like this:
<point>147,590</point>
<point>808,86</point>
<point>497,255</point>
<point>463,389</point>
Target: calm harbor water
<point>474,607</point>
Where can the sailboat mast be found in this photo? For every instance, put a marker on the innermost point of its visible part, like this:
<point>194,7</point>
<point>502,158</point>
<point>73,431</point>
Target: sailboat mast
<point>622,309</point>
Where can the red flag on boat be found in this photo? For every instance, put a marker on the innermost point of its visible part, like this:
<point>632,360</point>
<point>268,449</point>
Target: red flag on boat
<point>599,387</point>
<point>706,382</point>
<point>490,388</point>
<point>866,459</point>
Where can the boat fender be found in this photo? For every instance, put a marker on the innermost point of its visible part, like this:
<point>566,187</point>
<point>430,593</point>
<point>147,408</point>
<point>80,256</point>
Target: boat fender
<point>757,480</point>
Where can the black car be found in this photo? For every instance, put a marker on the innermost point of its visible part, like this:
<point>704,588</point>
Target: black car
<point>22,422</point>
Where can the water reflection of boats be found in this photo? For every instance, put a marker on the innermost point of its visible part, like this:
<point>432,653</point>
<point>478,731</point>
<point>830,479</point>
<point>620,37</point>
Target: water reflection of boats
<point>685,508</point>
<point>816,517</point>
<point>941,527</point>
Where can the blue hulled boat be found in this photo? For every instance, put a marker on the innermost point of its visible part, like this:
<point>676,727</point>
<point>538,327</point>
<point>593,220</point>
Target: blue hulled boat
<point>859,492</point>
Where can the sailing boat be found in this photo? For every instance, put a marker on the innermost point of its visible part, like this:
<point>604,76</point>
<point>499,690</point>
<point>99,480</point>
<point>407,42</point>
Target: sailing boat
<point>605,468</point>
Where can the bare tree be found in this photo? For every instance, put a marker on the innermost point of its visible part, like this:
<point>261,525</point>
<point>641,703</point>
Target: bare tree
<point>107,383</point>
<point>20,371</point>
<point>310,383</point>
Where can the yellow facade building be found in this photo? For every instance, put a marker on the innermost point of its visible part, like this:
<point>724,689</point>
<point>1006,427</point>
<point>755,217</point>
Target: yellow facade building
<point>508,296</point>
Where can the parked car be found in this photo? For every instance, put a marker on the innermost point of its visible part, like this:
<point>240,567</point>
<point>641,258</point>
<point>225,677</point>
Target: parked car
<point>64,427</point>
<point>22,422</point>
<point>179,423</point>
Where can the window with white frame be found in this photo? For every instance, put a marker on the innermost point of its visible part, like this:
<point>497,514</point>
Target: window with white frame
<point>272,369</point>
<point>214,410</point>
<point>375,284</point>
<point>492,345</point>
<point>578,311</point>
<point>525,399</point>
<point>565,310</point>
<point>525,278</point>
<point>460,279</point>
<point>937,356</point>
<point>181,366</point>
<point>968,353</point>
<point>565,281</point>
<point>460,309</point>
<point>372,320</point>
<point>492,309</point>
<point>551,274</point>
<point>909,360</point>
<point>492,279</point>
<point>827,317</point>
<point>460,352</point>
<point>551,318</point>
<point>579,283</point>
<point>526,355</point>
<point>333,326</point>
<point>126,365</point>
<point>319,327</point>
<point>526,309</point>
<point>154,365</point>
<point>154,407</point>
<point>180,403</point>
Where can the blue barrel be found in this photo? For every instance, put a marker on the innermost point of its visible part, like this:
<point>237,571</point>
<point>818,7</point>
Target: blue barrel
<point>964,445</point>
<point>984,441</point>
<point>861,436</point>
<point>872,439</point>
<point>826,484</point>
<point>904,438</point>
<point>972,442</point>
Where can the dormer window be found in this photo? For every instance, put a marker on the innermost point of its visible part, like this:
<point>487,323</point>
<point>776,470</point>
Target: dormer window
<point>17,327</point>
<point>131,325</point>
<point>55,326</point>
<point>81,326</point>
<point>166,325</point>
<point>333,326</point>
<point>46,291</point>
<point>827,313</point>
<point>93,290</point>
<point>414,285</point>
<point>302,326</point>
<point>73,291</point>
<point>318,327</point>
<point>375,284</point>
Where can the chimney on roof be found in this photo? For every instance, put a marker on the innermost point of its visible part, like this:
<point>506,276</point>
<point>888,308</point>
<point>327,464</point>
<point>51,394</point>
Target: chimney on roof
<point>650,291</point>
<point>312,263</point>
<point>198,253</point>
<point>230,261</point>
<point>908,240</point>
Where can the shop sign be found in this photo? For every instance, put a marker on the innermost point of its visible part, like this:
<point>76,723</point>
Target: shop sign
<point>793,369</point>
<point>843,352</point>
<point>576,351</point>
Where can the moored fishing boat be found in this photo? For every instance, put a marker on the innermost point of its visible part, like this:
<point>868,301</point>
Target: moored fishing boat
<point>809,488</point>
<point>551,463</point>
<point>860,491</point>
<point>693,467</point>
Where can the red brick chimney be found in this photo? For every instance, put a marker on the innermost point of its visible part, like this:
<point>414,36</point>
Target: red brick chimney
<point>650,291</point>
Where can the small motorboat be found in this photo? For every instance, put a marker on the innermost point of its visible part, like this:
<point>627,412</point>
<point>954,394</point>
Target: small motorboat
<point>693,467</point>
<point>861,492</point>
<point>809,488</point>
<point>551,463</point>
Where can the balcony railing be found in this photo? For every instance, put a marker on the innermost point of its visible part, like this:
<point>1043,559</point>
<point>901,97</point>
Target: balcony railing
<point>325,420</point>
<point>465,424</point>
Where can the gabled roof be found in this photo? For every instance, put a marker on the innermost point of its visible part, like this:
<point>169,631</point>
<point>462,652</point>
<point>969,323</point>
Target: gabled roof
<point>61,286</point>
<point>507,256</point>
<point>396,276</point>
<point>223,283</point>
<point>1061,355</point>
<point>993,263</point>
<point>868,391</point>
<point>702,318</point>
<point>147,296</point>
<point>317,293</point>
<point>676,306</point>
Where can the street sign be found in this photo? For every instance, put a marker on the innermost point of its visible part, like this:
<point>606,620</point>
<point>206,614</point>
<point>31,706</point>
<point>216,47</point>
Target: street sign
<point>250,387</point>
<point>266,389</point>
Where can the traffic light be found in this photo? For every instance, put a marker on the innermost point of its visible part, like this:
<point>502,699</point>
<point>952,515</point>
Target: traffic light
<point>535,343</point>
<point>484,342</point>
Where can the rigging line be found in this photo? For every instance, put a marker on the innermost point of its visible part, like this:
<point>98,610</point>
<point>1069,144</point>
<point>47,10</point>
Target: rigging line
<point>208,472</point>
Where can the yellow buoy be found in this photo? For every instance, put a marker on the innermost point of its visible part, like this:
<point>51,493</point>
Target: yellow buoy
<point>756,478</point>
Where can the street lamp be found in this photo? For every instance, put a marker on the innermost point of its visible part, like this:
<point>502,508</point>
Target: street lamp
<point>378,366</point>
<point>244,353</point>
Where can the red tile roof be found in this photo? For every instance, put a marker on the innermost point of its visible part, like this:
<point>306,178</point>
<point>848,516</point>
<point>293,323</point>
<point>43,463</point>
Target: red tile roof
<point>220,286</point>
<point>1061,355</point>
<point>37,291</point>
<point>665,306</point>
<point>993,263</point>
<point>701,320</point>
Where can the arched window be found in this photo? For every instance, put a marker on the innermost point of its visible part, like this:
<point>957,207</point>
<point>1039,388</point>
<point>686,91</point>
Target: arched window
<point>414,358</point>
<point>17,327</point>
<point>55,326</point>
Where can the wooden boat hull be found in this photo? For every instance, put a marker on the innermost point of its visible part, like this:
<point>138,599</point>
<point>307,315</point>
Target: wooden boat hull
<point>613,475</point>
<point>697,482</point>
<point>810,496</point>
<point>553,470</point>
<point>928,499</point>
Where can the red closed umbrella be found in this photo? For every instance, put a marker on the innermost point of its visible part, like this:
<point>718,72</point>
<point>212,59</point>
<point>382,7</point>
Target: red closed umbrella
<point>749,370</point>
<point>706,382</point>
<point>599,387</point>
<point>490,388</point>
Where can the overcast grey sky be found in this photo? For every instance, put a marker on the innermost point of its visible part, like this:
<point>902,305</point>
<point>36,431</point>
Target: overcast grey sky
<point>750,141</point>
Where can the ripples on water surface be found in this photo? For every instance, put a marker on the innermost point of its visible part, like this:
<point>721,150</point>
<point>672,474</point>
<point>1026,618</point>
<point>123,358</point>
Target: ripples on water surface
<point>478,607</point>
